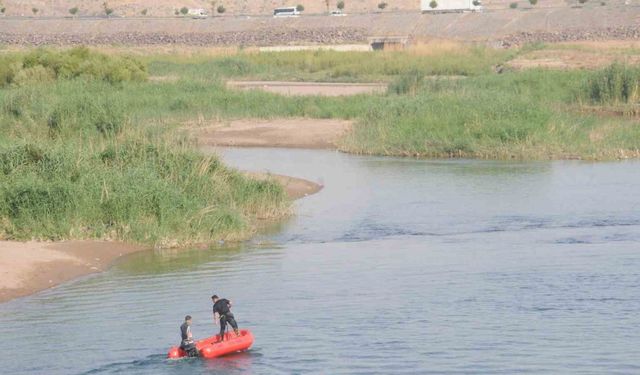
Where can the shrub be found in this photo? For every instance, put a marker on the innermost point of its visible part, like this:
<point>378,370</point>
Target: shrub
<point>340,5</point>
<point>513,5</point>
<point>300,7</point>
<point>433,4</point>
<point>533,2</point>
<point>34,75</point>
<point>382,5</point>
<point>407,83</point>
<point>3,10</point>
<point>144,11</point>
<point>221,9</point>
<point>44,65</point>
<point>35,11</point>
<point>73,11</point>
<point>616,84</point>
<point>107,10</point>
<point>184,10</point>
<point>176,12</point>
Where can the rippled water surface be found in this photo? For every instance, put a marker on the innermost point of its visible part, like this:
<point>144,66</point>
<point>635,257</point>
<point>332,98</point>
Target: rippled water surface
<point>397,266</point>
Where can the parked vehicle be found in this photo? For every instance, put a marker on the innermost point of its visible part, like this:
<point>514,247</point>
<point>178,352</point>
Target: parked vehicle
<point>198,13</point>
<point>337,13</point>
<point>286,12</point>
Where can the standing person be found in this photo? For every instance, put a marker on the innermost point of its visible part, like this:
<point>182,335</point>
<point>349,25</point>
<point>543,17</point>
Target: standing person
<point>222,311</point>
<point>187,343</point>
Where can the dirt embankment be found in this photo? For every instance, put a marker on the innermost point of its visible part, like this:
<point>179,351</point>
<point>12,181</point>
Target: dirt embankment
<point>310,88</point>
<point>293,133</point>
<point>506,27</point>
<point>28,267</point>
<point>572,35</point>
<point>265,37</point>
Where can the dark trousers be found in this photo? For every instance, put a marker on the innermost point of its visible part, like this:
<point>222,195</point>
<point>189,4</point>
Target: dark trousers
<point>190,348</point>
<point>224,319</point>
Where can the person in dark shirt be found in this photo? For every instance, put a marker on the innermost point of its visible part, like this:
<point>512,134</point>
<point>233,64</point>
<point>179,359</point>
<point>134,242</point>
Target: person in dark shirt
<point>187,343</point>
<point>222,311</point>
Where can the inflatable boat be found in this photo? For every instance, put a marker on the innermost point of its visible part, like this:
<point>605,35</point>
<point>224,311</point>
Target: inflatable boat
<point>211,347</point>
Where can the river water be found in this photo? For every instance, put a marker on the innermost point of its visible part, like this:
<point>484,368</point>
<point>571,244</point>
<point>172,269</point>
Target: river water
<point>397,266</point>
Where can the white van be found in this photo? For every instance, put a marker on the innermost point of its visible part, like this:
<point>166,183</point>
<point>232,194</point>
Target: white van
<point>198,13</point>
<point>286,12</point>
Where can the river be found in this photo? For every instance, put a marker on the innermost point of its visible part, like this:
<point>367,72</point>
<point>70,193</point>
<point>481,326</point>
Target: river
<point>397,266</point>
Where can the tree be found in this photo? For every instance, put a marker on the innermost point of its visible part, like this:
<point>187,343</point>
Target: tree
<point>326,2</point>
<point>3,9</point>
<point>221,9</point>
<point>299,7</point>
<point>513,5</point>
<point>476,3</point>
<point>533,2</point>
<point>340,5</point>
<point>433,4</point>
<point>108,11</point>
<point>582,1</point>
<point>176,12</point>
<point>34,10</point>
<point>184,10</point>
<point>382,5</point>
<point>144,11</point>
<point>73,11</point>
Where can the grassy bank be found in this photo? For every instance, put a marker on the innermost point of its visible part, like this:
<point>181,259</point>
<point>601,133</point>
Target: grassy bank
<point>76,161</point>
<point>89,148</point>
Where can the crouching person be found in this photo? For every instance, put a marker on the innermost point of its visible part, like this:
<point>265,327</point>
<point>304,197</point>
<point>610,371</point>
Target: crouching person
<point>187,344</point>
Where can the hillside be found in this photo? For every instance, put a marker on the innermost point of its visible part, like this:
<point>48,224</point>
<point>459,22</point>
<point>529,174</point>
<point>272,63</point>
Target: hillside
<point>168,8</point>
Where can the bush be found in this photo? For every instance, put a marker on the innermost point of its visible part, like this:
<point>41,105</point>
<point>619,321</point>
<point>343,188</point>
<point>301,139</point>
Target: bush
<point>221,9</point>
<point>382,5</point>
<point>300,7</point>
<point>407,83</point>
<point>513,5</point>
<point>73,11</point>
<point>433,4</point>
<point>184,10</point>
<point>616,84</point>
<point>44,65</point>
<point>340,5</point>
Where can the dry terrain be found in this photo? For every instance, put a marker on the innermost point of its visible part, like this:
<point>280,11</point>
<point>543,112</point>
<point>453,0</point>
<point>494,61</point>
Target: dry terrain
<point>295,133</point>
<point>165,8</point>
<point>27,267</point>
<point>501,27</point>
<point>310,88</point>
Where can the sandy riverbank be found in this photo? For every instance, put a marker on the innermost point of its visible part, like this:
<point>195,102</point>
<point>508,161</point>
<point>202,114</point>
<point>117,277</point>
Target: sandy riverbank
<point>293,133</point>
<point>29,267</point>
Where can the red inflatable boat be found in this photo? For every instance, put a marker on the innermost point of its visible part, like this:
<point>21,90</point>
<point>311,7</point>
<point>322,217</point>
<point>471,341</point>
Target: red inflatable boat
<point>211,348</point>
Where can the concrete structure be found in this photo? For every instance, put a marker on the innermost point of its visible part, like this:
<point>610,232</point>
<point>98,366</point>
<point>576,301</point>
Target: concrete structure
<point>443,6</point>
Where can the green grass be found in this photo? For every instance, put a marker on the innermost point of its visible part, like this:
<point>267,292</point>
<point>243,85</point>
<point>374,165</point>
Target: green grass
<point>85,156</point>
<point>337,66</point>
<point>79,159</point>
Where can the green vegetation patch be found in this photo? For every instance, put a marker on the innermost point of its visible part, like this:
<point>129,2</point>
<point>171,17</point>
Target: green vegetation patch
<point>75,164</point>
<point>46,65</point>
